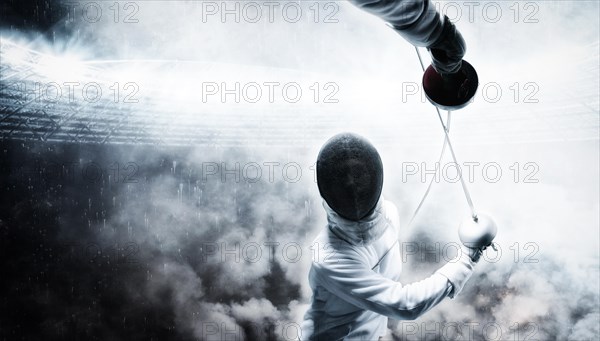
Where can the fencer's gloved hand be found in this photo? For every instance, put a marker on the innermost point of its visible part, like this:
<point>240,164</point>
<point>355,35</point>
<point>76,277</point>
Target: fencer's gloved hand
<point>448,51</point>
<point>473,252</point>
<point>476,234</point>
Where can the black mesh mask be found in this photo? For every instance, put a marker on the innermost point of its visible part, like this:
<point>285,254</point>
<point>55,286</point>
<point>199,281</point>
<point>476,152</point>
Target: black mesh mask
<point>350,175</point>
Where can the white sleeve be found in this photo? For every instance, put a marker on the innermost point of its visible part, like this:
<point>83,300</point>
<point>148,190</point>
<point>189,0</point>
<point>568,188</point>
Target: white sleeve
<point>415,20</point>
<point>458,272</point>
<point>350,279</point>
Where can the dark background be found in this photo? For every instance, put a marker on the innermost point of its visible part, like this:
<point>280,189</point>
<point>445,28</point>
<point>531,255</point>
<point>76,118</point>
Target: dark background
<point>71,269</point>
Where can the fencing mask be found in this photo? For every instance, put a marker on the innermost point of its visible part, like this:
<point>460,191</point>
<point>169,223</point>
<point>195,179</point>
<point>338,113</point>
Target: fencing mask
<point>350,175</point>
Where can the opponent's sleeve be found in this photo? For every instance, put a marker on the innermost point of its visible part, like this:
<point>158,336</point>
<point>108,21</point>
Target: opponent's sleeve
<point>416,20</point>
<point>347,277</point>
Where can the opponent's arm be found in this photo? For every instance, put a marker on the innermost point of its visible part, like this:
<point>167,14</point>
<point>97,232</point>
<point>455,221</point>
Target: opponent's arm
<point>419,23</point>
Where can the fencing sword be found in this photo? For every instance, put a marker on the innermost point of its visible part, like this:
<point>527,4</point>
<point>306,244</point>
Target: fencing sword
<point>481,229</point>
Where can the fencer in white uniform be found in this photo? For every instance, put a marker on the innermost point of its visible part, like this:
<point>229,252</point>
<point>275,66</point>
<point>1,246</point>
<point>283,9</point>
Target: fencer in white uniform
<point>356,261</point>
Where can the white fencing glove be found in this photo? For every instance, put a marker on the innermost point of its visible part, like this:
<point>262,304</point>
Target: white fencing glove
<point>473,252</point>
<point>476,234</point>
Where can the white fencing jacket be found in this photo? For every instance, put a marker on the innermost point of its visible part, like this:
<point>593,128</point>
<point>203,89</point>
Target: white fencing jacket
<point>354,278</point>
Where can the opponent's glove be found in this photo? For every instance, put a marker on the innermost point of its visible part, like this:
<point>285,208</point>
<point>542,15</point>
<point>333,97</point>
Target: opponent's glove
<point>448,51</point>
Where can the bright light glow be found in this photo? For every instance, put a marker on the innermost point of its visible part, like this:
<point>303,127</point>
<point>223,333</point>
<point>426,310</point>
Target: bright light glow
<point>61,69</point>
<point>64,68</point>
<point>13,53</point>
<point>184,94</point>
